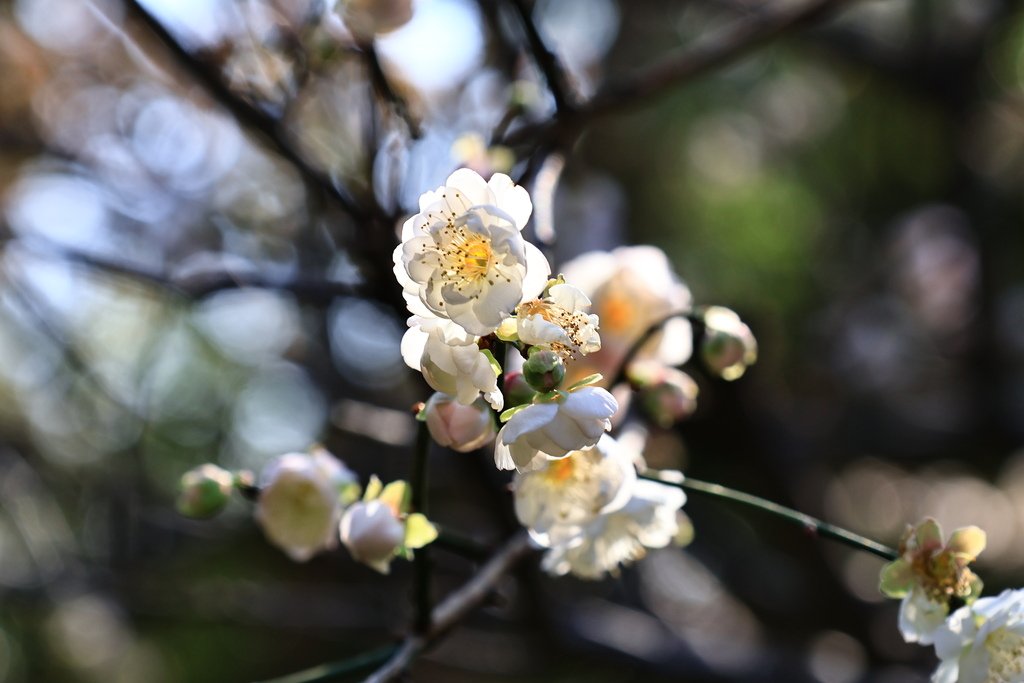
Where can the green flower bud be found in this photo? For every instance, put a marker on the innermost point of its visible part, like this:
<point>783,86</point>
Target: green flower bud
<point>544,370</point>
<point>729,346</point>
<point>205,491</point>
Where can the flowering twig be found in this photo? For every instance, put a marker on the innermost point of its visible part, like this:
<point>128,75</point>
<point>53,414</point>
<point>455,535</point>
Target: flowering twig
<point>422,564</point>
<point>685,65</point>
<point>808,522</point>
<point>456,607</point>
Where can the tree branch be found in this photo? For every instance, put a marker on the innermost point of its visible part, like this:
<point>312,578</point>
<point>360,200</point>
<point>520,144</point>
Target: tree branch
<point>382,86</point>
<point>546,60</point>
<point>456,607</point>
<point>681,67</point>
<point>245,113</point>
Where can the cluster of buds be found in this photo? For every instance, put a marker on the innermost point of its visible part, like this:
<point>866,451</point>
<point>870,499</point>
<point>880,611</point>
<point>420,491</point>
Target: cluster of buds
<point>307,502</point>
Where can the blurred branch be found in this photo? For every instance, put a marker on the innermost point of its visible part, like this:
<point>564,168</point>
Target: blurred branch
<point>456,607</point>
<point>245,113</point>
<point>194,287</point>
<point>811,524</point>
<point>329,672</point>
<point>382,86</point>
<point>682,67</point>
<point>546,60</point>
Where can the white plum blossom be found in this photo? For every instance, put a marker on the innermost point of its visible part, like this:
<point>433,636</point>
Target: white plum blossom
<point>575,489</point>
<point>462,257</point>
<point>983,642</point>
<point>649,519</point>
<point>459,427</point>
<point>372,532</point>
<point>300,502</point>
<point>560,321</point>
<point>450,360</point>
<point>632,288</point>
<point>572,420</point>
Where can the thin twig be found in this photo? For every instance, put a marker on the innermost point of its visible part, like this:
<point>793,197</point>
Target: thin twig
<point>423,602</point>
<point>330,672</point>
<point>546,60</point>
<point>244,112</point>
<point>682,67</point>
<point>456,607</point>
<point>808,522</point>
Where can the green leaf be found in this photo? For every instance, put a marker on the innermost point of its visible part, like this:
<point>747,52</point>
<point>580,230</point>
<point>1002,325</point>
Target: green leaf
<point>896,579</point>
<point>373,488</point>
<point>349,493</point>
<point>507,415</point>
<point>587,381</point>
<point>419,531</point>
<point>495,365</point>
<point>395,495</point>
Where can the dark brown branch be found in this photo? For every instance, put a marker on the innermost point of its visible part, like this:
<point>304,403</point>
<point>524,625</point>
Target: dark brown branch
<point>245,113</point>
<point>683,66</point>
<point>546,60</point>
<point>456,607</point>
<point>383,88</point>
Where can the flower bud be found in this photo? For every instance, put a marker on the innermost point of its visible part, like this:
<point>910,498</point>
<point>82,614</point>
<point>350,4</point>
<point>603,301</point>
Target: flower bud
<point>205,491</point>
<point>300,502</point>
<point>372,533</point>
<point>461,428</point>
<point>544,370</point>
<point>669,399</point>
<point>729,346</point>
<point>517,390</point>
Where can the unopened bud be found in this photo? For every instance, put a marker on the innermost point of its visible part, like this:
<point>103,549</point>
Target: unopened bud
<point>372,533</point>
<point>205,491</point>
<point>544,370</point>
<point>517,390</point>
<point>729,346</point>
<point>461,428</point>
<point>668,396</point>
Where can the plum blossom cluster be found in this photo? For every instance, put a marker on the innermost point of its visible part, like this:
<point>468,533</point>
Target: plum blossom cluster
<point>592,512</point>
<point>982,641</point>
<point>517,357</point>
<point>475,288</point>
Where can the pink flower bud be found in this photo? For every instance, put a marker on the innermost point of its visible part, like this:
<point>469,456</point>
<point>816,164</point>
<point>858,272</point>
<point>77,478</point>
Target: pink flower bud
<point>372,533</point>
<point>461,428</point>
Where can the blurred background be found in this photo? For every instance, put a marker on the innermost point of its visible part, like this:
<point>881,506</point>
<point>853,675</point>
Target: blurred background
<point>198,202</point>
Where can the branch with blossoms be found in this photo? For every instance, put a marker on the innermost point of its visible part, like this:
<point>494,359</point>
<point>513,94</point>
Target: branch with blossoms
<point>502,341</point>
<point>528,358</point>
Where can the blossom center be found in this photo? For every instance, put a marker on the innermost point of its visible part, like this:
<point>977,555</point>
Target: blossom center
<point>1006,656</point>
<point>560,471</point>
<point>573,323</point>
<point>466,255</point>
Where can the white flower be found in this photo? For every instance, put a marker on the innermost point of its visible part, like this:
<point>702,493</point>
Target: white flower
<point>462,256</point>
<point>450,360</point>
<point>920,616</point>
<point>983,642</point>
<point>365,18</point>
<point>560,321</point>
<point>300,502</point>
<point>459,427</point>
<point>372,533</point>
<point>631,289</point>
<point>574,489</point>
<point>574,420</point>
<point>650,519</point>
